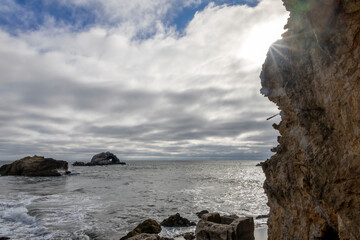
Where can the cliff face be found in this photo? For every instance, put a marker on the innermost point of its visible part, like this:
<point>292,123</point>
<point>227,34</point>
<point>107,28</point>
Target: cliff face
<point>313,75</point>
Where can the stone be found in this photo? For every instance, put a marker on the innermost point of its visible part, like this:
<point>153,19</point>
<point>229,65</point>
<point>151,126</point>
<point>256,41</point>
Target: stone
<point>227,228</point>
<point>101,159</point>
<point>211,217</point>
<point>147,236</point>
<point>177,221</point>
<point>34,166</point>
<point>199,214</point>
<point>313,76</point>
<point>148,226</point>
<point>189,236</point>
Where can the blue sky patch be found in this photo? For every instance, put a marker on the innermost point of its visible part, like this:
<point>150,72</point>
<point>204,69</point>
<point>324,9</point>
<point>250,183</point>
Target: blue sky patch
<point>31,15</point>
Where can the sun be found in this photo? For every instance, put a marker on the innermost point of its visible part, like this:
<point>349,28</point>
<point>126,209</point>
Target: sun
<point>258,40</point>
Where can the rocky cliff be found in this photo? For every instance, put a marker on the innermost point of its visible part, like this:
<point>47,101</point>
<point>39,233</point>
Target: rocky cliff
<point>313,75</point>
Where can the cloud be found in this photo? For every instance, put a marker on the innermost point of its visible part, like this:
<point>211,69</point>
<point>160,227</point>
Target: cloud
<point>70,94</point>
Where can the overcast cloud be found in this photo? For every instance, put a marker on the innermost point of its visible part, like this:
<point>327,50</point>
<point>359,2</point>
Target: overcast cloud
<point>131,83</point>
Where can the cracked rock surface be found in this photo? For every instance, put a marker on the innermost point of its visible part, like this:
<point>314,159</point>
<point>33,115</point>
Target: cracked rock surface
<point>313,76</point>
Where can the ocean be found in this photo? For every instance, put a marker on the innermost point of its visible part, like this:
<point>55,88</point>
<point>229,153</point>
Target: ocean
<point>106,202</point>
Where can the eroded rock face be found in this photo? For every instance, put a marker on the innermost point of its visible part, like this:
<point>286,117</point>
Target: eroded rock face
<point>34,166</point>
<point>313,75</point>
<point>212,226</point>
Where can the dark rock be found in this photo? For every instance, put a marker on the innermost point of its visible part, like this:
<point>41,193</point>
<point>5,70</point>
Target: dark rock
<point>189,236</point>
<point>4,238</point>
<point>224,228</point>
<point>79,164</point>
<point>199,214</point>
<point>149,226</point>
<point>144,236</point>
<point>228,219</point>
<point>177,221</point>
<point>34,166</point>
<point>259,164</point>
<point>147,236</point>
<point>104,158</point>
<point>211,217</point>
<point>262,216</point>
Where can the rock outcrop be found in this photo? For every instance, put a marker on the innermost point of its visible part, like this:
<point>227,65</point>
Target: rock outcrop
<point>148,227</point>
<point>313,75</point>
<point>34,166</point>
<point>177,221</point>
<point>216,227</point>
<point>100,159</point>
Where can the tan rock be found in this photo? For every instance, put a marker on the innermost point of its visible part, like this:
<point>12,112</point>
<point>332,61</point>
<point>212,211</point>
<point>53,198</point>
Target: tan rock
<point>313,76</point>
<point>224,228</point>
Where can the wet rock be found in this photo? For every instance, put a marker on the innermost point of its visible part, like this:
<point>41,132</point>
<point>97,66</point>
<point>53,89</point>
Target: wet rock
<point>177,221</point>
<point>34,166</point>
<point>146,236</point>
<point>189,236</point>
<point>148,226</point>
<point>4,238</point>
<point>313,76</point>
<point>225,228</point>
<point>199,214</point>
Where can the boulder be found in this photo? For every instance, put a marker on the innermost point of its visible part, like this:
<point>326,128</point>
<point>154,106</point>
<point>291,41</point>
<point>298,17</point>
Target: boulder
<point>177,221</point>
<point>231,227</point>
<point>146,236</point>
<point>199,214</point>
<point>149,226</point>
<point>34,166</point>
<point>189,236</point>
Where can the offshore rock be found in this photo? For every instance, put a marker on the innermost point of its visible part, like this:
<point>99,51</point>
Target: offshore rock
<point>177,221</point>
<point>149,226</point>
<point>34,166</point>
<point>313,75</point>
<point>100,159</point>
<point>216,227</point>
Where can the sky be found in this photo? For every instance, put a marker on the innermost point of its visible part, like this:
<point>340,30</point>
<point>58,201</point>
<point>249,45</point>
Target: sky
<point>143,79</point>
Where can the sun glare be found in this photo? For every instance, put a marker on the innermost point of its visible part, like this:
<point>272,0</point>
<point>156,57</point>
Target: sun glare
<point>258,40</point>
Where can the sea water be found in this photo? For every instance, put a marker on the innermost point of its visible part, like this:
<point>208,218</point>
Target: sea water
<point>105,202</point>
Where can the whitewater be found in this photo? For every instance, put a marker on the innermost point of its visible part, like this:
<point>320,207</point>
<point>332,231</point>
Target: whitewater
<point>106,202</point>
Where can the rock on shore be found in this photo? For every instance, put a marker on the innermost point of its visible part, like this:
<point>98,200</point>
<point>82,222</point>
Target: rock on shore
<point>34,166</point>
<point>148,227</point>
<point>313,76</point>
<point>177,221</point>
<point>212,226</point>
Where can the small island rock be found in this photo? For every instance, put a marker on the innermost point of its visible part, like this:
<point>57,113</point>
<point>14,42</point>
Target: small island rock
<point>34,166</point>
<point>100,159</point>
